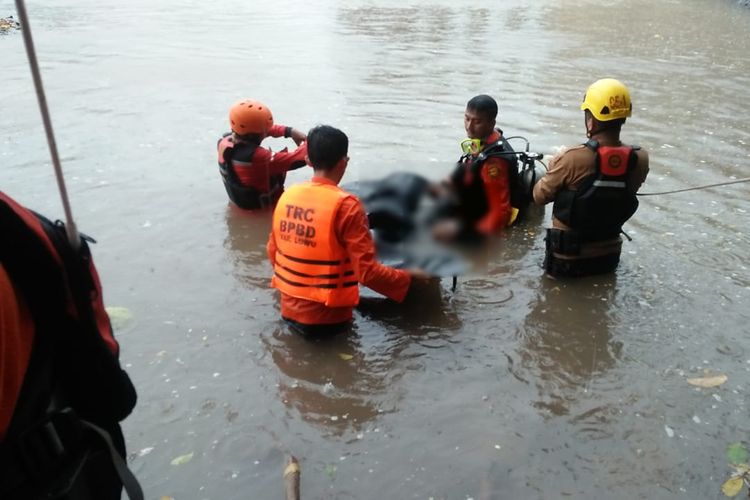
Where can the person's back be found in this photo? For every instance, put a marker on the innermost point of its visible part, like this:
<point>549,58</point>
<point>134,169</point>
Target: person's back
<point>62,391</point>
<point>253,175</point>
<point>593,186</point>
<point>320,245</point>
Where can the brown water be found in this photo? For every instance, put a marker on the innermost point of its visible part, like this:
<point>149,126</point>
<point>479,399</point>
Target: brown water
<point>515,386</point>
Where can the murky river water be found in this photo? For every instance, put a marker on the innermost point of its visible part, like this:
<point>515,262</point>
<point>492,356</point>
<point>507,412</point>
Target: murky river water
<point>515,386</point>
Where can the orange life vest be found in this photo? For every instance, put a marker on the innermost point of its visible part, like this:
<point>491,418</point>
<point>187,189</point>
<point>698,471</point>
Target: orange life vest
<point>311,263</point>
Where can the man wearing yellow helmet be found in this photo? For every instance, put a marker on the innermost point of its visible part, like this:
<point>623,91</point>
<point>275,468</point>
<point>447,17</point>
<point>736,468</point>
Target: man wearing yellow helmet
<point>593,187</point>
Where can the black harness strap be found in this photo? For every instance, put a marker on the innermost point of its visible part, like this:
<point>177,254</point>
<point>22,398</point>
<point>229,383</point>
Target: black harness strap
<point>48,458</point>
<point>243,196</point>
<point>601,204</point>
<point>129,482</point>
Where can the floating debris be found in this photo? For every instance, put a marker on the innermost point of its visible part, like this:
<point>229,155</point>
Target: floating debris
<point>145,451</point>
<point>736,454</point>
<point>292,479</point>
<point>737,457</point>
<point>119,317</point>
<point>732,486</point>
<point>182,459</point>
<point>330,470</point>
<point>8,24</point>
<point>707,382</point>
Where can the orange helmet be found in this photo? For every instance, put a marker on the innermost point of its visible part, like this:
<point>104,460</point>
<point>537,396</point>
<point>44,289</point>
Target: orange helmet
<point>250,117</point>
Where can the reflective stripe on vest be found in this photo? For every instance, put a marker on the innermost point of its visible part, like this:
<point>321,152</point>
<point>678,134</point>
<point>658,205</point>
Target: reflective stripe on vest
<point>310,263</point>
<point>612,184</point>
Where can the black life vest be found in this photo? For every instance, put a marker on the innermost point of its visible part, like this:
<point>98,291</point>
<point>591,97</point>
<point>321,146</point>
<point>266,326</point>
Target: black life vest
<point>473,201</point>
<point>74,387</point>
<point>601,205</point>
<point>247,197</point>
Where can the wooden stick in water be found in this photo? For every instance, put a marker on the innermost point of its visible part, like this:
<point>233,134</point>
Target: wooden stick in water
<point>291,478</point>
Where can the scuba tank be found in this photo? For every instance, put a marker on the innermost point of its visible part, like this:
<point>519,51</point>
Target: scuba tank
<point>526,169</point>
<point>529,174</point>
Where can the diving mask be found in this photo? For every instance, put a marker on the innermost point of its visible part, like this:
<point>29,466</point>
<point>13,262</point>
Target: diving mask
<point>471,146</point>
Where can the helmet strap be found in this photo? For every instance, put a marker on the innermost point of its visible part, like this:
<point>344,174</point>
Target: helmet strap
<point>589,119</point>
<point>254,139</point>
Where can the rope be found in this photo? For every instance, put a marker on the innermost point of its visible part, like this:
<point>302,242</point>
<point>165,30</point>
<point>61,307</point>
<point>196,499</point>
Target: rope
<point>70,226</point>
<point>746,179</point>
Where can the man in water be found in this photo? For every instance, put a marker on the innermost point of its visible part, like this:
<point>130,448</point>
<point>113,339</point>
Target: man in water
<point>593,187</point>
<point>321,248</point>
<point>480,186</point>
<point>254,176</point>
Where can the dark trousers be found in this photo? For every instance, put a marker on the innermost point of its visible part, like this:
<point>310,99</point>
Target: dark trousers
<point>580,267</point>
<point>317,330</point>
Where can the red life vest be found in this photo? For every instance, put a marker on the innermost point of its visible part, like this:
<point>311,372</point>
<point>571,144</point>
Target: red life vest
<point>247,197</point>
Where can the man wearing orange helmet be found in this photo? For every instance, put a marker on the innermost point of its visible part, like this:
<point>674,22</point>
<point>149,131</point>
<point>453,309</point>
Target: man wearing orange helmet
<point>593,187</point>
<point>254,176</point>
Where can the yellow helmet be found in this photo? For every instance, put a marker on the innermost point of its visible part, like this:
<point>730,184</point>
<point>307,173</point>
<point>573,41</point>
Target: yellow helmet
<point>607,99</point>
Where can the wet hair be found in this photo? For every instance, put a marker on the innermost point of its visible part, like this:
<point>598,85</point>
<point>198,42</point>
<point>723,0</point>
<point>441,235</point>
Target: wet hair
<point>326,145</point>
<point>483,104</point>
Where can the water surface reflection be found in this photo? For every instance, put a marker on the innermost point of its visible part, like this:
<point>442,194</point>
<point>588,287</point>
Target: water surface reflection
<point>566,340</point>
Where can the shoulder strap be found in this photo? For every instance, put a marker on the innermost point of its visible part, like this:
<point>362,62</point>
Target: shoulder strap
<point>248,149</point>
<point>633,158</point>
<point>592,144</point>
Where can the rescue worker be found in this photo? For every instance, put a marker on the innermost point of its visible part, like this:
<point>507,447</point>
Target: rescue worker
<point>321,248</point>
<point>254,176</point>
<point>593,187</point>
<point>62,391</point>
<point>479,188</point>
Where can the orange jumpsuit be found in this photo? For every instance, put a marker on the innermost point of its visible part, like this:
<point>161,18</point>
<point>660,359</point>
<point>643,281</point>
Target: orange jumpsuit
<point>484,201</point>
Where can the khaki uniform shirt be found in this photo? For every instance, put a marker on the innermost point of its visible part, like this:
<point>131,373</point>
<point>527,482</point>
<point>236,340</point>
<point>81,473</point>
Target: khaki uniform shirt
<point>567,170</point>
